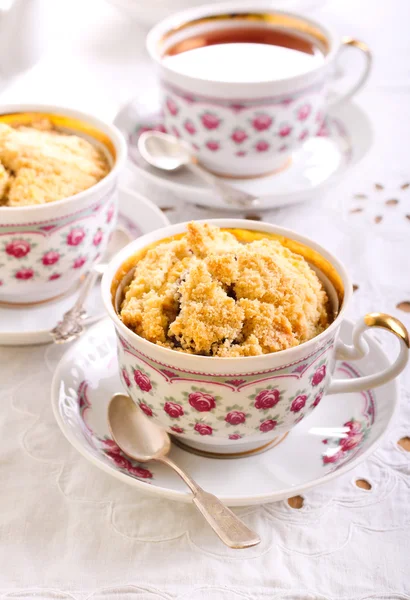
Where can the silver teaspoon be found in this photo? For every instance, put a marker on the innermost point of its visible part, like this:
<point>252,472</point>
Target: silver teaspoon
<point>71,325</point>
<point>141,439</point>
<point>166,152</point>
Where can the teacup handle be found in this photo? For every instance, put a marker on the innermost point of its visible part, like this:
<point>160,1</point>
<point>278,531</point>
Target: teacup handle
<point>360,348</point>
<point>364,48</point>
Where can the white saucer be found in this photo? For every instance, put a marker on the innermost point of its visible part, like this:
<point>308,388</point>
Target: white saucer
<point>86,378</point>
<point>320,163</point>
<point>22,326</point>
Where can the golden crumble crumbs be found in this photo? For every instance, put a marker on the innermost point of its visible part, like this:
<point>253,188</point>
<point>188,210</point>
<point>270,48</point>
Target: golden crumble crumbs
<point>207,293</point>
<point>39,164</point>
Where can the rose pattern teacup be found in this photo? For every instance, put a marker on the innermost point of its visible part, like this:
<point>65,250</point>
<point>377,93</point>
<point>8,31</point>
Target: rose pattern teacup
<point>237,128</point>
<point>45,249</point>
<point>231,405</point>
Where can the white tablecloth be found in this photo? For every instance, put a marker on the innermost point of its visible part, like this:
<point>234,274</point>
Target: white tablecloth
<point>70,531</point>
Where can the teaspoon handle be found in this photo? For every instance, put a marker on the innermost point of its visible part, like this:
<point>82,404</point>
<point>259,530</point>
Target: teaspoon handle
<point>228,527</point>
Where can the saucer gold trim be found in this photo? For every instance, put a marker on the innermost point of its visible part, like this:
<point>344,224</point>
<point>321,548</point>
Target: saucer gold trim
<point>219,455</point>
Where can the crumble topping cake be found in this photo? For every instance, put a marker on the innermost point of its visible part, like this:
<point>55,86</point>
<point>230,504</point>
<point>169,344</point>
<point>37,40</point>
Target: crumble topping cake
<point>207,293</point>
<point>39,164</point>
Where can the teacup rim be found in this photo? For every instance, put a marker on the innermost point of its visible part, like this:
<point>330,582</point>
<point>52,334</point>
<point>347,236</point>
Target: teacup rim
<point>111,131</point>
<point>189,14</point>
<point>170,230</point>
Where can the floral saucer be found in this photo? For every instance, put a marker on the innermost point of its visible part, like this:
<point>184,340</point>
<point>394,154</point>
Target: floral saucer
<point>341,432</point>
<point>22,326</point>
<point>340,144</point>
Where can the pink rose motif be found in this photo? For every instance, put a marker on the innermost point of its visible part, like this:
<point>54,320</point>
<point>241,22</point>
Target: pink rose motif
<point>319,375</point>
<point>235,436</point>
<point>201,401</point>
<point>140,472</point>
<point>54,276</point>
<point>126,377</point>
<point>304,111</point>
<point>298,403</point>
<point>97,239</point>
<point>175,131</point>
<point>210,121</point>
<point>203,429</point>
<point>172,107</point>
<point>350,442</point>
<point>25,274</point>
<point>1,282</point>
<point>235,417</point>
<point>262,146</point>
<point>212,145</point>
<point>119,460</point>
<point>173,409</point>
<point>262,122</point>
<point>176,429</point>
<point>50,258</point>
<point>79,262</point>
<point>268,425</point>
<point>239,136</point>
<point>240,153</point>
<point>142,381</point>
<point>76,236</point>
<point>110,213</point>
<point>285,130</point>
<point>317,400</point>
<point>332,458</point>
<point>145,408</point>
<point>267,399</point>
<point>18,248</point>
<point>113,448</point>
<point>303,135</point>
<point>190,127</point>
<point>354,427</point>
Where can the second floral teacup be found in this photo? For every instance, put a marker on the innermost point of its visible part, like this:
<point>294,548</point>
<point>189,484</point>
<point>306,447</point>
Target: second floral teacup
<point>236,405</point>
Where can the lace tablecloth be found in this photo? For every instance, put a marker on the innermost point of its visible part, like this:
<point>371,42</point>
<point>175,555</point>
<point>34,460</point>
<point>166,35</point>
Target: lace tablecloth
<point>68,530</point>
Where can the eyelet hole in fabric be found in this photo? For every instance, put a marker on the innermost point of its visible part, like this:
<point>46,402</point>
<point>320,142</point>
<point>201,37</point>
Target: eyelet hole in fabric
<point>296,502</point>
<point>404,306</point>
<point>363,484</point>
<point>404,443</point>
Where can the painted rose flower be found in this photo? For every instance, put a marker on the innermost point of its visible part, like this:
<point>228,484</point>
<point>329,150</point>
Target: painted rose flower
<point>172,107</point>
<point>18,248</point>
<point>351,441</point>
<point>142,381</point>
<point>112,446</point>
<point>25,274</point>
<point>203,429</point>
<point>110,213</point>
<point>267,425</point>
<point>201,401</point>
<point>235,436</point>
<point>145,408</point>
<point>298,403</point>
<point>98,236</point>
<point>140,472</point>
<point>210,121</point>
<point>50,258</point>
<point>332,458</point>
<point>173,409</point>
<point>262,146</point>
<point>54,276</point>
<point>317,400</point>
<point>239,136</point>
<point>267,399</point>
<point>176,429</point>
<point>303,135</point>
<point>319,375</point>
<point>126,377</point>
<point>189,127</point>
<point>79,262</point>
<point>120,461</point>
<point>212,145</point>
<point>235,417</point>
<point>76,236</point>
<point>285,130</point>
<point>304,111</point>
<point>262,122</point>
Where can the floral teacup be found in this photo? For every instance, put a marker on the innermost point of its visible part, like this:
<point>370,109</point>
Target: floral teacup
<point>245,128</point>
<point>46,248</point>
<point>236,405</point>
